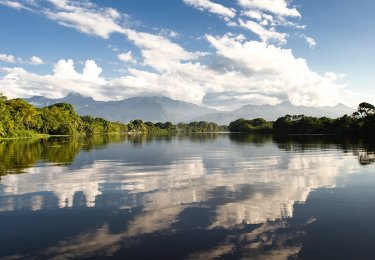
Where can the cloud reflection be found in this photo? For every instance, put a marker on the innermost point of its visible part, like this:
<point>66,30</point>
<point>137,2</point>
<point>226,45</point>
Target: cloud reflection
<point>240,185</point>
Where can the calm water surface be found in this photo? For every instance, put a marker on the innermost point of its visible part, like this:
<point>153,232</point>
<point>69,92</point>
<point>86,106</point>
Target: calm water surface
<point>191,197</point>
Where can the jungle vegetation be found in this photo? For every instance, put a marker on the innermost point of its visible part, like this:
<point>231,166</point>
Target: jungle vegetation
<point>360,123</point>
<point>21,119</point>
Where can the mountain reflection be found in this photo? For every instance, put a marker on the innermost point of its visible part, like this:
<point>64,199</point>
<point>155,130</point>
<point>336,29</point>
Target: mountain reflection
<point>245,185</point>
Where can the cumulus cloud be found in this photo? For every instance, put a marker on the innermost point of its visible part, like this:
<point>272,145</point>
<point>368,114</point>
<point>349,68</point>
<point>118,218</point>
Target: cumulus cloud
<point>250,71</point>
<point>238,70</point>
<point>126,57</point>
<point>7,58</point>
<point>64,69</point>
<point>207,5</point>
<point>276,71</point>
<point>36,60</point>
<point>18,82</point>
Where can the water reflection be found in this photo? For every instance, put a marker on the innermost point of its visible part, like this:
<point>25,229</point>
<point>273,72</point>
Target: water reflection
<point>17,155</point>
<point>234,195</point>
<point>363,149</point>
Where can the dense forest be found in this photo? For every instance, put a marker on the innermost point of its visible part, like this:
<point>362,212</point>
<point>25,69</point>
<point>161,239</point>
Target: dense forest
<point>360,123</point>
<point>21,119</point>
<point>256,126</point>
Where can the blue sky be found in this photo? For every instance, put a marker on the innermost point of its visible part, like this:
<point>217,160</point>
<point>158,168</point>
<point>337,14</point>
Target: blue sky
<point>217,53</point>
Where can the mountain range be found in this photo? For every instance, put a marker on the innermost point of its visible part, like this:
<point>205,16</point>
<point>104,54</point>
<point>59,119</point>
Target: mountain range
<point>163,109</point>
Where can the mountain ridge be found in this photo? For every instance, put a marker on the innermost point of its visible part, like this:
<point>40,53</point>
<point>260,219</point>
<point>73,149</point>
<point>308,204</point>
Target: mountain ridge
<point>163,109</point>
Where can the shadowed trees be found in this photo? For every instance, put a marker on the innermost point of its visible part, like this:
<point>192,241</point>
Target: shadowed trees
<point>258,125</point>
<point>360,123</point>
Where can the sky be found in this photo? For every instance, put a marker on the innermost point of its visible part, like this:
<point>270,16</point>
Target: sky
<point>221,54</point>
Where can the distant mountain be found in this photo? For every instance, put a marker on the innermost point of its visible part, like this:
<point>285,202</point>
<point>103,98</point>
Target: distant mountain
<point>163,109</point>
<point>271,113</point>
<point>154,109</point>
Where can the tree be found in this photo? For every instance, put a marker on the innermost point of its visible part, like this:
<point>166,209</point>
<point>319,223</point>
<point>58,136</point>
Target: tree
<point>26,116</point>
<point>257,125</point>
<point>138,126</point>
<point>365,109</point>
<point>6,122</point>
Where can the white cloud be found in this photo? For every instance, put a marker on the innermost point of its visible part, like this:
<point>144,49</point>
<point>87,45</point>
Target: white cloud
<point>126,57</point>
<point>36,60</point>
<point>309,40</point>
<point>158,51</point>
<point>86,18</point>
<point>253,14</point>
<point>264,16</point>
<point>207,5</point>
<point>266,35</point>
<point>12,4</point>
<point>64,69</point>
<point>278,7</point>
<point>275,71</point>
<point>246,71</point>
<point>250,71</point>
<point>7,58</point>
<point>91,72</point>
<point>18,82</point>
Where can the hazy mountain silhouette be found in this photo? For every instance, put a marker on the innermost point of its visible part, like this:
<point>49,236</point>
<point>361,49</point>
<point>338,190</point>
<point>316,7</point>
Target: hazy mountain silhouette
<point>270,112</point>
<point>163,109</point>
<point>154,109</point>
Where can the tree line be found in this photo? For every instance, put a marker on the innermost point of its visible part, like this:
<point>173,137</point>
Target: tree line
<point>360,123</point>
<point>18,118</point>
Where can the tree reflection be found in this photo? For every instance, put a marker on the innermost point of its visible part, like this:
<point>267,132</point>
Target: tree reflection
<point>231,201</point>
<point>257,139</point>
<point>364,149</point>
<point>17,155</point>
<point>200,137</point>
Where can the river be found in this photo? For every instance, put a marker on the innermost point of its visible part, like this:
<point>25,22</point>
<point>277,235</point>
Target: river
<point>202,196</point>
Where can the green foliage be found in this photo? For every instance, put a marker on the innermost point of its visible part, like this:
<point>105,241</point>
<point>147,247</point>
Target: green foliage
<point>303,125</point>
<point>6,122</point>
<point>361,123</point>
<point>61,119</point>
<point>258,125</point>
<point>20,119</point>
<point>199,127</point>
<point>18,155</point>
